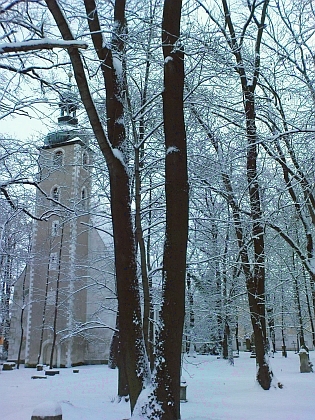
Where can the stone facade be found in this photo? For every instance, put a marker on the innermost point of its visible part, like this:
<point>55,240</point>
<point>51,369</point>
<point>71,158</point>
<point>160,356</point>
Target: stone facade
<point>67,290</point>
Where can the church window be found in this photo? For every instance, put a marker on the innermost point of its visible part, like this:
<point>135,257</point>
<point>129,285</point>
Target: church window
<point>55,195</point>
<point>58,158</point>
<point>83,198</point>
<point>55,228</point>
<point>85,160</point>
<point>53,261</point>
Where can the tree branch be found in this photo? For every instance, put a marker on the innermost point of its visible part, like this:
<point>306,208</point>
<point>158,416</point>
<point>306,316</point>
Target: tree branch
<point>40,44</point>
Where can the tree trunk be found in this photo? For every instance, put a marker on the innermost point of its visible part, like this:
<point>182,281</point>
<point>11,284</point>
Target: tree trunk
<point>132,348</point>
<point>300,340</point>
<point>236,339</point>
<point>44,312</point>
<point>114,346</point>
<point>114,148</point>
<point>148,250</point>
<point>5,295</point>
<point>256,283</point>
<point>141,244</point>
<point>255,277</point>
<point>130,325</point>
<point>271,324</point>
<point>21,320</point>
<point>168,366</point>
<point>190,344</point>
<point>225,352</point>
<point>113,351</point>
<point>116,360</point>
<point>56,301</point>
<point>309,308</point>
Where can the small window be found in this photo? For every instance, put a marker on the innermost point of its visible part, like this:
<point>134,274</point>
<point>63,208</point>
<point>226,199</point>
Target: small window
<point>58,158</point>
<point>53,261</point>
<point>55,228</point>
<point>83,198</point>
<point>85,160</point>
<point>55,194</point>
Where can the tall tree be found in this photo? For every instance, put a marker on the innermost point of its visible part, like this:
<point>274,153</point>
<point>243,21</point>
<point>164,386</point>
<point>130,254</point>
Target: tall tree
<point>254,270</point>
<point>114,148</point>
<point>176,192</point>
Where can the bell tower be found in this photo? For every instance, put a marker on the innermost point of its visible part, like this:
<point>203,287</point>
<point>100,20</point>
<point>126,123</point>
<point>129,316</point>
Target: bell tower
<point>59,264</point>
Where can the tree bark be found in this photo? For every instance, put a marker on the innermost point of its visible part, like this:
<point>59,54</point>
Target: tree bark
<point>21,320</point>
<point>255,277</point>
<point>44,312</point>
<point>168,365</point>
<point>114,150</point>
<point>256,282</point>
<point>56,301</point>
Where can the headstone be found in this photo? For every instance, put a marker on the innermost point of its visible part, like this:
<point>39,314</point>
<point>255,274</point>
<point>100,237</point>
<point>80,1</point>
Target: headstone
<point>47,411</point>
<point>248,345</point>
<point>51,372</point>
<point>8,366</point>
<point>182,391</point>
<point>305,364</point>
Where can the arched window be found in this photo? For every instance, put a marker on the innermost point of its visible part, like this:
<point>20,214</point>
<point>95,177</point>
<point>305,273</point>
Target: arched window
<point>55,195</point>
<point>85,160</point>
<point>53,261</point>
<point>55,228</point>
<point>58,158</point>
<point>83,198</point>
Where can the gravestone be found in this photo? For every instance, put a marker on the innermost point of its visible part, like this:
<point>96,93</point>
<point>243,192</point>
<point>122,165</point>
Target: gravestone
<point>183,386</point>
<point>8,366</point>
<point>47,411</point>
<point>51,372</point>
<point>305,364</point>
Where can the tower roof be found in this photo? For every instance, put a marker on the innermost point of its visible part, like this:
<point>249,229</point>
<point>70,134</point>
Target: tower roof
<point>67,122</point>
<point>63,137</point>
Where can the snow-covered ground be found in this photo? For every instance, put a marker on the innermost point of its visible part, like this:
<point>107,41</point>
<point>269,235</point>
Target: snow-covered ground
<point>215,391</point>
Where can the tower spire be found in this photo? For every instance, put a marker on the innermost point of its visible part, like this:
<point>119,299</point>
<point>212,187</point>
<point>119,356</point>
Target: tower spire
<point>68,105</point>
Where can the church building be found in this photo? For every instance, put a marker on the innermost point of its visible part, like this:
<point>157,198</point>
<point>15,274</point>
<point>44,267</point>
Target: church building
<point>65,299</point>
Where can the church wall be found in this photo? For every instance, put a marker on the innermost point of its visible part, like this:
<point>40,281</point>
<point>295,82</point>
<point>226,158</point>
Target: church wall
<point>86,299</point>
<point>101,299</point>
<point>15,323</point>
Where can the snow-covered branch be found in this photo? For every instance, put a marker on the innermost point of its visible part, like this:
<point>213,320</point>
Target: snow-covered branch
<point>40,44</point>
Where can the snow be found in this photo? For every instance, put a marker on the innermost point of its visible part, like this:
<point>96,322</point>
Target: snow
<point>118,155</point>
<point>143,405</point>
<point>36,44</point>
<point>117,66</point>
<point>215,391</point>
<point>168,58</point>
<point>172,149</point>
<point>47,408</point>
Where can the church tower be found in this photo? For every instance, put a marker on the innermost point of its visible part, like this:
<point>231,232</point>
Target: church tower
<point>64,307</point>
<point>59,265</point>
